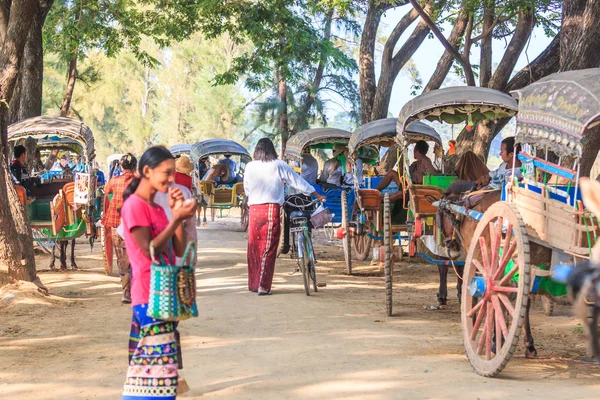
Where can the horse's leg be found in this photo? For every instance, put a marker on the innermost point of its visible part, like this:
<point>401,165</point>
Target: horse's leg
<point>73,264</point>
<point>459,281</point>
<point>442,295</point>
<point>530,351</point>
<point>63,254</point>
<point>53,257</point>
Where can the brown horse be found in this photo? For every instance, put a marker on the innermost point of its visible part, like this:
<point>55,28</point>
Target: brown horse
<point>459,232</point>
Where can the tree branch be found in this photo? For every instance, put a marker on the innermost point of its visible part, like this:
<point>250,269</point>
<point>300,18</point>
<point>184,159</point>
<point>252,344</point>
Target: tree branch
<point>496,22</point>
<point>468,70</point>
<point>548,62</point>
<point>445,63</point>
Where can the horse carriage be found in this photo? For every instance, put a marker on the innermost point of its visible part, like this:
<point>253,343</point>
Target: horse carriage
<point>539,222</point>
<point>376,221</point>
<point>63,206</point>
<point>217,196</point>
<point>322,139</point>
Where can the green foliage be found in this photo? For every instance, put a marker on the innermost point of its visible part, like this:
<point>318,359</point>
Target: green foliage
<point>130,106</point>
<point>76,27</point>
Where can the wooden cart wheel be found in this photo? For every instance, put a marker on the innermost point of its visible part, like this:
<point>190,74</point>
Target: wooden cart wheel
<point>361,245</point>
<point>388,260</point>
<point>346,242</point>
<point>493,305</point>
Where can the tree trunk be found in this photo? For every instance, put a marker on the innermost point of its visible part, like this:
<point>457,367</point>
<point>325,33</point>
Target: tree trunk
<point>515,47</point>
<point>579,49</point>
<point>18,258</point>
<point>366,62</point>
<point>27,99</point>
<point>445,63</point>
<point>283,116</point>
<point>64,109</point>
<point>66,104</point>
<point>485,63</point>
<point>548,62</point>
<point>391,64</point>
<point>580,35</point>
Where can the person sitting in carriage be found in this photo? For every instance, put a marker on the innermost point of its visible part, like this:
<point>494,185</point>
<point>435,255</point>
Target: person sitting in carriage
<point>471,168</point>
<point>421,167</point>
<point>218,174</point>
<point>338,172</point>
<point>19,172</point>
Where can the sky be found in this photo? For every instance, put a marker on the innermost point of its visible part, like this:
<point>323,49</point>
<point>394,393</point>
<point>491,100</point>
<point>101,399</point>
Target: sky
<point>428,55</point>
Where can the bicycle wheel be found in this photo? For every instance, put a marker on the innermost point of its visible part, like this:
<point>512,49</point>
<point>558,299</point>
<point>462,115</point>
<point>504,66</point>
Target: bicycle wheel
<point>312,270</point>
<point>302,260</point>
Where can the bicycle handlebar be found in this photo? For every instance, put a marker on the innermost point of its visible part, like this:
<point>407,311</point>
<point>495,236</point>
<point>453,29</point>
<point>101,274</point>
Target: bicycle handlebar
<point>302,207</point>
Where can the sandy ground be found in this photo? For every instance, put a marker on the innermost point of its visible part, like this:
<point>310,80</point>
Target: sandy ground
<point>337,344</point>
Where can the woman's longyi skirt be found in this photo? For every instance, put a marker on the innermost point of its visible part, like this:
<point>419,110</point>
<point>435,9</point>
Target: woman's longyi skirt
<point>263,237</point>
<point>152,372</point>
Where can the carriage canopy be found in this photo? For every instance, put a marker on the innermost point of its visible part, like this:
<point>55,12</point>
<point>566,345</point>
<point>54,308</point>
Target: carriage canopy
<point>457,104</point>
<point>317,137</point>
<point>211,147</point>
<point>180,149</point>
<point>555,111</point>
<point>383,133</point>
<point>63,132</point>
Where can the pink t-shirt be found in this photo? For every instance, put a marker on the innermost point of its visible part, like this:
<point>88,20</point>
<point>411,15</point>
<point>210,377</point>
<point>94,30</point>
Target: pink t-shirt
<point>137,213</point>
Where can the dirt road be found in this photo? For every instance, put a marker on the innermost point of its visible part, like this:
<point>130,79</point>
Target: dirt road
<point>337,344</point>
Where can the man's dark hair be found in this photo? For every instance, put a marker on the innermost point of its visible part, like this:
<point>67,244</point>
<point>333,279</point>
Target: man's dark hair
<point>509,142</point>
<point>265,150</point>
<point>18,151</point>
<point>422,147</point>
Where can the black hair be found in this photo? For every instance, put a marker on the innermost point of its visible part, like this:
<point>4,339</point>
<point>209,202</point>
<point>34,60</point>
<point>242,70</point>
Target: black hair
<point>422,147</point>
<point>509,142</point>
<point>151,158</point>
<point>18,151</point>
<point>129,162</point>
<point>265,150</point>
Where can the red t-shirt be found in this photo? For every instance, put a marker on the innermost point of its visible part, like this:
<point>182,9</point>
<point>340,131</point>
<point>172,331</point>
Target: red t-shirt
<point>137,213</point>
<point>183,180</point>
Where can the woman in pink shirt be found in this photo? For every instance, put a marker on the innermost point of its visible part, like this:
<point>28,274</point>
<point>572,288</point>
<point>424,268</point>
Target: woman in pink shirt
<point>154,355</point>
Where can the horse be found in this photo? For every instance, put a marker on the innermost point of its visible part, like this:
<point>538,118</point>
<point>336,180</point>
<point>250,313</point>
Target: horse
<point>62,247</point>
<point>459,230</point>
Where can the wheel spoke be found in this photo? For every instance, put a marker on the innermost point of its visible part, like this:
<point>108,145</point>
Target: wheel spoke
<point>489,322</point>
<point>495,238</point>
<point>479,267</point>
<point>478,321</point>
<point>506,256</point>
<point>506,302</point>
<point>508,276</point>
<point>482,339</point>
<point>484,255</point>
<point>506,289</point>
<point>474,309</point>
<point>500,322</point>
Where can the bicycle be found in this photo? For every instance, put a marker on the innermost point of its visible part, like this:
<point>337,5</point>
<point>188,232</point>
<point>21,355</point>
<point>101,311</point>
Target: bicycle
<point>302,241</point>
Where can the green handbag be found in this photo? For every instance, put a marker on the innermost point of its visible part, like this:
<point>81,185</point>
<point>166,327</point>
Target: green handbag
<point>172,288</point>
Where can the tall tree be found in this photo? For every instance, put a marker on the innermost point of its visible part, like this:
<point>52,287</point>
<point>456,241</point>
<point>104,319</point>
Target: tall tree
<point>580,49</point>
<point>15,252</point>
<point>290,41</point>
